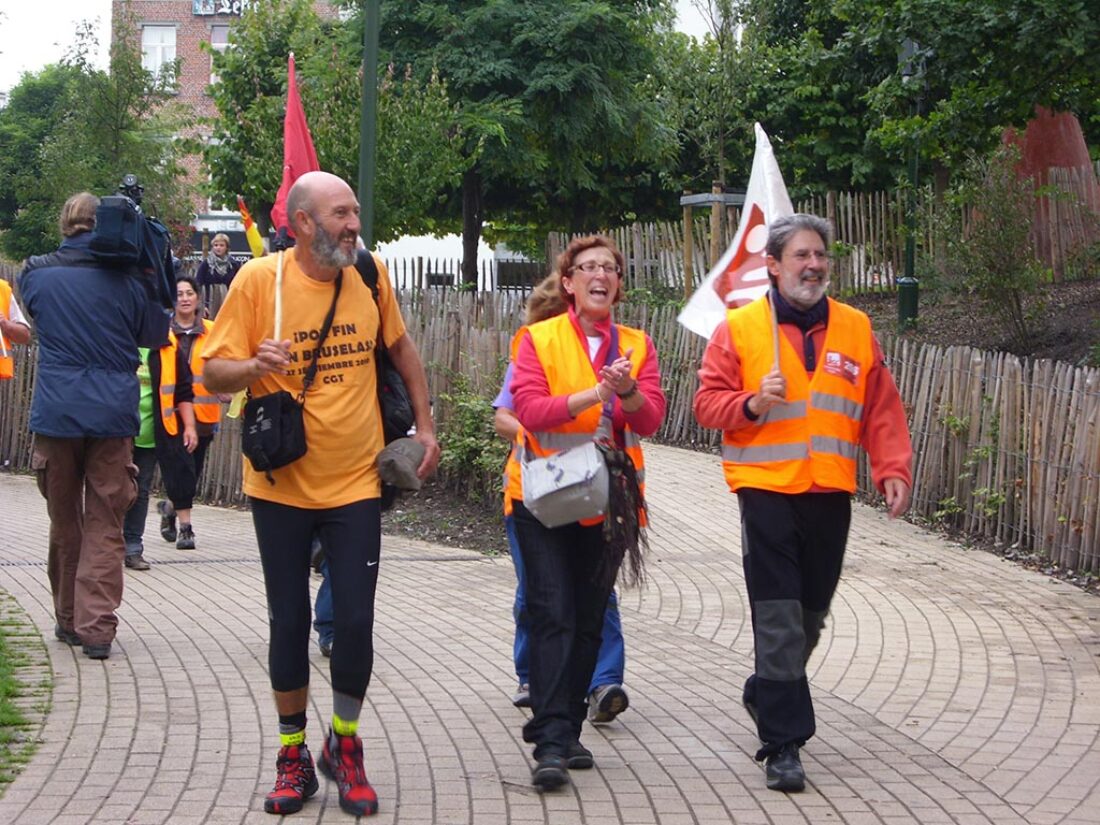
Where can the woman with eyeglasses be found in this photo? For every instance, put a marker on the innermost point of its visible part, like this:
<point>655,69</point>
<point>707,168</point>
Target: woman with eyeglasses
<point>566,378</point>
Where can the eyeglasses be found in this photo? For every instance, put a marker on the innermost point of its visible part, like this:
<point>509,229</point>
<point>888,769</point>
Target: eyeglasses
<point>592,267</point>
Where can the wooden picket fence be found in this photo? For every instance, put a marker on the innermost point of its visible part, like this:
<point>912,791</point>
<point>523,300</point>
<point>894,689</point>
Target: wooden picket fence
<point>1006,449</point>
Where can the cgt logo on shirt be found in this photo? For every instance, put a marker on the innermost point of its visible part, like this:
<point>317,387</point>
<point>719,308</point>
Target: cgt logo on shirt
<point>840,365</point>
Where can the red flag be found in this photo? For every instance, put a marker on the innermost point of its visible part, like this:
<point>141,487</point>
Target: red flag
<point>299,156</point>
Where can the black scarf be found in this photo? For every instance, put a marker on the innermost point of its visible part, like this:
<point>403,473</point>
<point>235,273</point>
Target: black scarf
<point>805,320</point>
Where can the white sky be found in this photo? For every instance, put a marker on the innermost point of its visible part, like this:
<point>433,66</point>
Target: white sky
<point>34,33</point>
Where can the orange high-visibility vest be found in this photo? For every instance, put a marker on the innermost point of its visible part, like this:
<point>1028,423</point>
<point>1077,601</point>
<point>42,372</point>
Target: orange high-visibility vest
<point>207,407</point>
<point>813,438</point>
<point>7,362</point>
<point>568,369</point>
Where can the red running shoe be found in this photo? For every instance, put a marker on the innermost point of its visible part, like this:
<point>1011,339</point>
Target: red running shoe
<point>342,762</point>
<point>296,780</point>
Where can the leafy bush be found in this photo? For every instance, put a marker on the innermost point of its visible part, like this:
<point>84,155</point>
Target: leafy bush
<point>472,455</point>
<point>983,245</point>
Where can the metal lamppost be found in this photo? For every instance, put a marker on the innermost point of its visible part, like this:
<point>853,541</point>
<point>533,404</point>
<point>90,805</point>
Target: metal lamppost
<point>911,63</point>
<point>368,120</point>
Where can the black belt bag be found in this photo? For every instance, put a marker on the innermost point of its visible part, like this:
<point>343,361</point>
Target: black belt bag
<point>274,431</point>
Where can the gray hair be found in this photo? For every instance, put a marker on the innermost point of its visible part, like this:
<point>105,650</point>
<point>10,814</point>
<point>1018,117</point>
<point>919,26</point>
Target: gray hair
<point>298,198</point>
<point>783,229</point>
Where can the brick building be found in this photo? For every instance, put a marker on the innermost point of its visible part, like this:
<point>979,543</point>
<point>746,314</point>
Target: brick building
<point>171,29</point>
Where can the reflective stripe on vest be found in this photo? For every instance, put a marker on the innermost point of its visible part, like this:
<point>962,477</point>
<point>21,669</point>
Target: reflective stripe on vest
<point>568,368</point>
<point>813,438</point>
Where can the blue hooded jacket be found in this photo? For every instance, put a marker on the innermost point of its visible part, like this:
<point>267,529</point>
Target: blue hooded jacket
<point>90,318</point>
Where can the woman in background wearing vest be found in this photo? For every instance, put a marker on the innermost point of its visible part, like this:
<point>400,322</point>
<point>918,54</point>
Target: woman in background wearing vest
<point>563,379</point>
<point>188,413</point>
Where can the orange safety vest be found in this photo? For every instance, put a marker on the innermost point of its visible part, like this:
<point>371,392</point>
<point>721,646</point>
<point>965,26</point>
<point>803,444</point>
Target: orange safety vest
<point>207,407</point>
<point>568,369</point>
<point>813,438</point>
<point>7,363</point>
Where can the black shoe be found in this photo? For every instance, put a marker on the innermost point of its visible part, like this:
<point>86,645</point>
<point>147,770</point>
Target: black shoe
<point>69,637</point>
<point>326,647</point>
<point>784,770</point>
<point>136,561</point>
<point>186,540</point>
<point>97,651</point>
<point>167,522</point>
<point>579,758</point>
<point>550,773</point>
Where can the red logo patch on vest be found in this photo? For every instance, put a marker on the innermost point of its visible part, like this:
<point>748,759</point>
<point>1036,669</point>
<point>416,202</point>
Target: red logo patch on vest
<point>840,365</point>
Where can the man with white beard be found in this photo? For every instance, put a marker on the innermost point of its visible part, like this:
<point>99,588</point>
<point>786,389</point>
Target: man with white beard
<point>333,490</point>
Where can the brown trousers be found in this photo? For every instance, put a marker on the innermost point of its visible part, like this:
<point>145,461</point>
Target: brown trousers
<point>88,484</point>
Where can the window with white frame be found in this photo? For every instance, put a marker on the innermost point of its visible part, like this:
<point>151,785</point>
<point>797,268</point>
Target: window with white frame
<point>158,47</point>
<point>219,42</point>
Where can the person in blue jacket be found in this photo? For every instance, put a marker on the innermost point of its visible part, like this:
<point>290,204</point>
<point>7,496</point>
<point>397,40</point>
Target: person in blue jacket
<point>91,317</point>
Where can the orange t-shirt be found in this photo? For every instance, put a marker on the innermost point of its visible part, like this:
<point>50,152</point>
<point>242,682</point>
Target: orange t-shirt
<point>342,422</point>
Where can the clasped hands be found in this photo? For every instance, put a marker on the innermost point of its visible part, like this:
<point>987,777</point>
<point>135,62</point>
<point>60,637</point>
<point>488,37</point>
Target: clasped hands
<point>616,377</point>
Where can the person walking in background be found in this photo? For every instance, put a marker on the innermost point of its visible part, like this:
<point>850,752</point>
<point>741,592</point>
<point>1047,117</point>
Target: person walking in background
<point>795,404</point>
<point>572,372</point>
<point>91,317</point>
<point>607,697</point>
<point>334,489</point>
<point>14,329</point>
<point>218,267</point>
<point>145,459</point>
<point>187,413</point>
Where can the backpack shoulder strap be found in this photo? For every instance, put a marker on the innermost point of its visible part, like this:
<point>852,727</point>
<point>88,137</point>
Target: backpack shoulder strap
<point>368,271</point>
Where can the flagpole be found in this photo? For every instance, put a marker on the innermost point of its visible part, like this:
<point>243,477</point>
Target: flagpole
<point>279,297</point>
<point>775,329</point>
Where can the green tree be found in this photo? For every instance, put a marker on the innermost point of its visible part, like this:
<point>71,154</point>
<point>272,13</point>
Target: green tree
<point>419,133</point>
<point>36,108</point>
<point>828,86</point>
<point>72,127</point>
<point>560,135</point>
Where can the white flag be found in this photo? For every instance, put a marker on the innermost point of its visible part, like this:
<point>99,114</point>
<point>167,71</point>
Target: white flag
<point>740,276</point>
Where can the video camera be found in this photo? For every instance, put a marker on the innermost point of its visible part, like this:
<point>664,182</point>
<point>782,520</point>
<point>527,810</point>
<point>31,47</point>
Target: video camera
<point>132,189</point>
<point>136,243</point>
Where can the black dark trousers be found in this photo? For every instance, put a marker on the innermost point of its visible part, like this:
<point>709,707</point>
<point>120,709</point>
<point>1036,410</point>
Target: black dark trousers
<point>793,551</point>
<point>565,607</point>
<point>352,539</point>
<point>179,469</point>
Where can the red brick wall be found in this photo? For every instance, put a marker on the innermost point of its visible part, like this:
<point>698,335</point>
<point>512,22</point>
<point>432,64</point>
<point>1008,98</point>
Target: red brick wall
<point>191,31</point>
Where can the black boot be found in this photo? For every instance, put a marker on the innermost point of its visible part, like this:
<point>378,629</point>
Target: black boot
<point>784,770</point>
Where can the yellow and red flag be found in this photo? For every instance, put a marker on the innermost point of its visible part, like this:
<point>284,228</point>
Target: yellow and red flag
<point>251,233</point>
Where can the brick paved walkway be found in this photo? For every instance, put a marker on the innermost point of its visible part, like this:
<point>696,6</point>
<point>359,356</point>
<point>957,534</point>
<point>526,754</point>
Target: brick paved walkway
<point>950,686</point>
